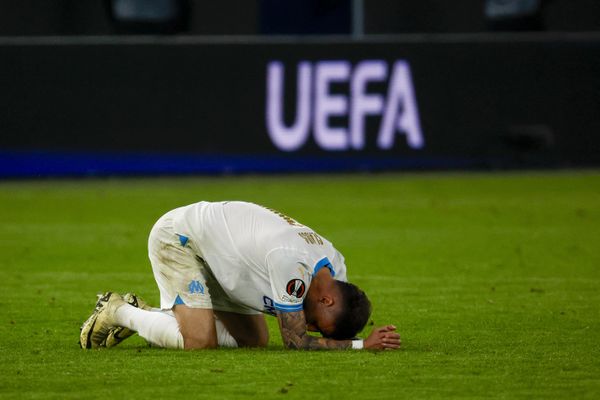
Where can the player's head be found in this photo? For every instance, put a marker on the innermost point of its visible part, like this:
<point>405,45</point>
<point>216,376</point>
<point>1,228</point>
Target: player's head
<point>340,313</point>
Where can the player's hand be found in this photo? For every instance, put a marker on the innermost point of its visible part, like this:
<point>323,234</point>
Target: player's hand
<point>383,338</point>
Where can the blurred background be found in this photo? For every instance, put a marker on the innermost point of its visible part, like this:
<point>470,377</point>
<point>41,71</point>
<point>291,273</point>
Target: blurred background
<point>147,87</point>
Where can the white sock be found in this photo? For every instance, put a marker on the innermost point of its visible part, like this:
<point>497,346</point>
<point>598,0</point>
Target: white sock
<point>158,328</point>
<point>223,336</point>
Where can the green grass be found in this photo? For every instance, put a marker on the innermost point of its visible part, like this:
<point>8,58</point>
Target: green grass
<point>492,279</point>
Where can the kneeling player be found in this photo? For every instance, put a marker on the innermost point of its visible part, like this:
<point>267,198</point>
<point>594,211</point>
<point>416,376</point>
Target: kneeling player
<point>220,267</point>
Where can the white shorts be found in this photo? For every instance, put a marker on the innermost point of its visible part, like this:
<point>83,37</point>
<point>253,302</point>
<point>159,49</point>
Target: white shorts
<point>182,275</point>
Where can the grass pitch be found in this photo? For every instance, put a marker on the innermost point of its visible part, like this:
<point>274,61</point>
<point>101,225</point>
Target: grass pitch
<point>493,281</point>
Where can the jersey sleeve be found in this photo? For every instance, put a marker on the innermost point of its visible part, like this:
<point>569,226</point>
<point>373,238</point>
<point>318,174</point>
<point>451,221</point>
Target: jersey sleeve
<point>289,281</point>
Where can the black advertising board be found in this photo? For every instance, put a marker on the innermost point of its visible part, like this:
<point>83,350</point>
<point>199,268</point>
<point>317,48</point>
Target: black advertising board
<point>147,105</point>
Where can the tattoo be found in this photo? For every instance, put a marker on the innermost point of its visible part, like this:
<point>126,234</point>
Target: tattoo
<point>293,332</point>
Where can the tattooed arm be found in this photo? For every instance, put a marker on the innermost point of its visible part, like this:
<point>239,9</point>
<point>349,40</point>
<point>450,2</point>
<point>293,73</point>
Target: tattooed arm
<point>293,332</point>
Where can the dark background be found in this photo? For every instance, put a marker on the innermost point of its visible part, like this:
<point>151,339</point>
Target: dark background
<point>251,17</point>
<point>85,93</point>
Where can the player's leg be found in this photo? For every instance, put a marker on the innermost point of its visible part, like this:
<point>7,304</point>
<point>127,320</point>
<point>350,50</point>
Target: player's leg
<point>197,326</point>
<point>182,286</point>
<point>180,276</point>
<point>181,279</point>
<point>157,327</point>
<point>236,325</point>
<point>118,334</point>
<point>113,312</point>
<point>161,328</point>
<point>247,330</point>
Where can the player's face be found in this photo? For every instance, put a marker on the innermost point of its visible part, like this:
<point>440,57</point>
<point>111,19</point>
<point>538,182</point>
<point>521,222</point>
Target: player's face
<point>325,326</point>
<point>320,318</point>
<point>321,311</point>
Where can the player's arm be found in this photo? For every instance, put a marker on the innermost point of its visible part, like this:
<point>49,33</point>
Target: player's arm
<point>295,336</point>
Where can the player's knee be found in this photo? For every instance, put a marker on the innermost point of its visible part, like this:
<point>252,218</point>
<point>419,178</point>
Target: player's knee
<point>261,339</point>
<point>195,342</point>
<point>197,339</point>
<point>196,327</point>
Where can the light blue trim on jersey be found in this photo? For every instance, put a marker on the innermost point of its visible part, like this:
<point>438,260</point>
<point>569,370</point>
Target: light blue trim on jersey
<point>324,262</point>
<point>288,307</point>
<point>178,301</point>
<point>183,239</point>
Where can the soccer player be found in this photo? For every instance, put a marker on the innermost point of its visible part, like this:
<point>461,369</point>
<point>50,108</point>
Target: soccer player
<point>220,267</point>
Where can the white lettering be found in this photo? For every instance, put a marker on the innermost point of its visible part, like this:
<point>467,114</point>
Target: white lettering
<point>328,105</point>
<point>363,104</point>
<point>401,111</point>
<point>293,137</point>
<point>398,108</point>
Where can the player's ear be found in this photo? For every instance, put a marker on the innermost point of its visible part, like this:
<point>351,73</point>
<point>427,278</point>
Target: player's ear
<point>327,301</point>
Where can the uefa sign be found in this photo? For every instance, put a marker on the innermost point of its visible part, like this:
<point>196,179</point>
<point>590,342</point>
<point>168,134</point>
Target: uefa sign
<point>316,104</point>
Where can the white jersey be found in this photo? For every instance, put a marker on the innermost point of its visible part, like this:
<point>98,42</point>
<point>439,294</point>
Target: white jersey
<point>262,259</point>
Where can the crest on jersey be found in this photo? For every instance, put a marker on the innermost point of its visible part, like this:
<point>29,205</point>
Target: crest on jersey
<point>296,288</point>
